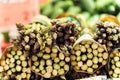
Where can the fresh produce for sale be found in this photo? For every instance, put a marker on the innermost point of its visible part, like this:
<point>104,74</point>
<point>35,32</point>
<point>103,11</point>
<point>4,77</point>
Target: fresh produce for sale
<point>88,56</point>
<point>15,63</point>
<point>31,37</point>
<point>108,33</point>
<point>64,33</point>
<point>114,66</point>
<point>50,62</point>
<point>56,51</point>
<point>38,41</point>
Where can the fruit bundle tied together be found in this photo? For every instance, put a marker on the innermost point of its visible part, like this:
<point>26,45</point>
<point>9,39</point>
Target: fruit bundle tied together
<point>64,33</point>
<point>31,37</point>
<point>15,63</point>
<point>114,66</point>
<point>87,56</point>
<point>108,33</point>
<point>50,62</point>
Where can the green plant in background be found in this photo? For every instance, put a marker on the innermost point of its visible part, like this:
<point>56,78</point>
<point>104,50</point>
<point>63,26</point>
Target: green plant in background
<point>89,8</point>
<point>57,7</point>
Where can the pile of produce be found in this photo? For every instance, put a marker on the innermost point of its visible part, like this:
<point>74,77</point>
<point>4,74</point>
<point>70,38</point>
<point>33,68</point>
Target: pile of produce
<point>31,37</point>
<point>65,33</point>
<point>109,34</point>
<point>15,63</point>
<point>46,49</point>
<point>87,56</point>
<point>114,67</point>
<point>50,63</point>
<point>58,51</point>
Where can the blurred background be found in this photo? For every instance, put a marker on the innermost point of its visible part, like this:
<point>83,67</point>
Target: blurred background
<point>23,11</point>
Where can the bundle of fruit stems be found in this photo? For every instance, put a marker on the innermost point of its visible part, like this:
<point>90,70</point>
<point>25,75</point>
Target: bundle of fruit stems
<point>57,50</point>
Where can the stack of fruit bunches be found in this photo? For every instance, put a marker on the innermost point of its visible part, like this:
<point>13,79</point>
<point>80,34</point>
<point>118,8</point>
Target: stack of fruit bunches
<point>114,66</point>
<point>108,33</point>
<point>31,37</point>
<point>65,33</point>
<point>88,56</point>
<point>50,62</point>
<point>47,49</point>
<point>15,63</point>
<point>38,41</point>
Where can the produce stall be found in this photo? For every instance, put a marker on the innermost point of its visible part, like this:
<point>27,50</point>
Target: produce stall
<point>68,40</point>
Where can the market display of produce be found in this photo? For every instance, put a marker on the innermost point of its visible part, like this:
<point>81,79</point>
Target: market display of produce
<point>109,34</point>
<point>15,63</point>
<point>87,55</point>
<point>114,67</point>
<point>40,44</point>
<point>59,51</point>
<point>50,63</point>
<point>79,41</point>
<point>65,33</point>
<point>29,37</point>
